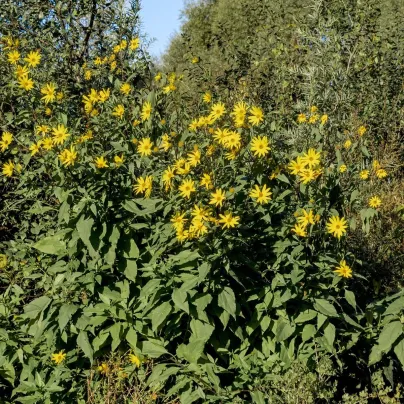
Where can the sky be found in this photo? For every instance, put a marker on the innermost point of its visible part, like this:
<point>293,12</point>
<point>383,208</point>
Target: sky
<point>160,19</point>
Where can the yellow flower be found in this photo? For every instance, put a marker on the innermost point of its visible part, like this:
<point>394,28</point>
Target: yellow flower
<point>118,160</point>
<point>100,162</point>
<point>125,88</point>
<point>26,83</point>
<point>6,139</point>
<point>375,202</point>
<point>342,168</point>
<point>35,147</point>
<point>3,261</point>
<point>144,185</point>
<point>136,122</point>
<point>113,65</point>
<point>60,134</point>
<point>217,111</point>
<point>228,220</point>
<point>186,188</point>
<point>68,156</point>
<point>47,143</point>
<point>197,228</point>
<point>13,57</point>
<point>168,176</point>
<point>324,119</point>
<point>194,158</point>
<point>158,77</point>
<point>307,175</point>
<point>217,198</point>
<point>98,61</point>
<point>364,174</point>
<point>207,97</point>
<point>306,218</point>
<point>296,166</point>
<point>262,196</point>
<point>103,95</point>
<point>344,270</point>
<point>153,396</point>
<point>58,357</point>
<point>299,230</point>
<point>206,181</point>
<point>119,110</point>
<point>301,118</point>
<point>381,173</point>
<point>347,144</point>
<point>337,226</point>
<point>134,44</point>
<point>49,92</point>
<point>134,360</point>
<point>256,117</point>
<point>178,221</point>
<point>311,158</point>
<point>232,140</point>
<point>195,60</point>
<point>145,147</point>
<point>313,109</point>
<point>200,213</point>
<point>260,146</point>
<point>165,142</point>
<point>314,118</point>
<point>146,111</point>
<point>361,130</point>
<point>21,71</point>
<point>103,368</point>
<point>8,168</point>
<point>88,74</point>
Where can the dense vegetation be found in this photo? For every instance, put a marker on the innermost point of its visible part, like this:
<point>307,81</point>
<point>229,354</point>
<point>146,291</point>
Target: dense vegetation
<point>225,227</point>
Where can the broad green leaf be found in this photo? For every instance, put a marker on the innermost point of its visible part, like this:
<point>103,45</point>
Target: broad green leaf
<point>203,271</point>
<point>201,330</point>
<point>399,351</point>
<point>84,228</point>
<point>152,349</point>
<point>325,307</point>
<point>131,337</point>
<point>51,245</point>
<point>396,307</point>
<point>309,331</point>
<point>159,314</point>
<point>65,314</point>
<point>305,316</point>
<point>329,335</point>
<point>130,269</point>
<point>193,351</point>
<point>389,335</point>
<point>258,397</point>
<point>375,355</point>
<point>227,301</point>
<point>180,299</point>
<point>84,344</point>
<point>350,298</point>
<point>284,330</point>
<point>32,309</point>
<point>283,178</point>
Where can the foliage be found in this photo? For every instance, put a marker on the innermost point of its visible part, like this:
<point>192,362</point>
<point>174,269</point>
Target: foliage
<point>163,251</point>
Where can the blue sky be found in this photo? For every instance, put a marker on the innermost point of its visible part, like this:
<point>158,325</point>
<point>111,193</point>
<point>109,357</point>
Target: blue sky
<point>160,19</point>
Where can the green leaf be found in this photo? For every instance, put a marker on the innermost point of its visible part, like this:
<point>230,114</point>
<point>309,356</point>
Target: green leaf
<point>283,330</point>
<point>396,307</point>
<point>258,397</point>
<point>180,299</point>
<point>375,355</point>
<point>32,309</point>
<point>389,335</point>
<point>132,250</point>
<point>203,271</point>
<point>309,331</point>
<point>84,228</point>
<point>130,269</point>
<point>152,349</point>
<point>227,301</point>
<point>283,178</point>
<point>329,335</point>
<point>159,314</point>
<point>350,298</point>
<point>84,344</point>
<point>113,239</point>
<point>201,330</point>
<point>399,351</point>
<point>131,337</point>
<point>193,351</point>
<point>51,245</point>
<point>325,307</point>
<point>305,316</point>
<point>65,314</point>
